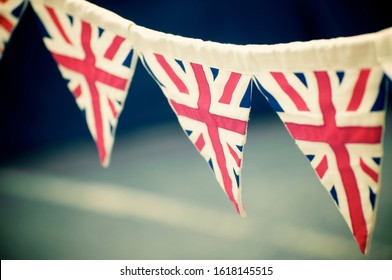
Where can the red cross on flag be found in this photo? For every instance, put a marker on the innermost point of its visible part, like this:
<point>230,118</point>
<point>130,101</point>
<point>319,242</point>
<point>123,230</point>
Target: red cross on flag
<point>98,64</point>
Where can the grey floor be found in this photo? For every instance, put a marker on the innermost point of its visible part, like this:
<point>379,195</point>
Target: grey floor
<point>159,200</point>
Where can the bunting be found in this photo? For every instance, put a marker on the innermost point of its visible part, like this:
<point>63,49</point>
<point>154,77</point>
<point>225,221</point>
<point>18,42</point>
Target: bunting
<point>98,65</point>
<point>330,95</point>
<point>337,120</point>
<point>213,107</point>
<point>10,12</point>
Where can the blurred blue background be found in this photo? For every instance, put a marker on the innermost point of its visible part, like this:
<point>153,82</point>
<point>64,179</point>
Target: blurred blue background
<point>158,200</point>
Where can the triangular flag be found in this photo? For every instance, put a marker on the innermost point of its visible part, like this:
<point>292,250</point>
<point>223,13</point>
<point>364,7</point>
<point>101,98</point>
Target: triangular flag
<point>337,120</point>
<point>10,13</point>
<point>98,65</point>
<point>212,106</point>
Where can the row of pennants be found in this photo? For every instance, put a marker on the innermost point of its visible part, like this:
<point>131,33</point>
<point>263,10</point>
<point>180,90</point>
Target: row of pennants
<point>330,94</point>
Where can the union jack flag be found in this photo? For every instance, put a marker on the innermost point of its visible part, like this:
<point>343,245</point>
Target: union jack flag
<point>98,65</point>
<point>337,119</point>
<point>213,108</point>
<point>10,12</point>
